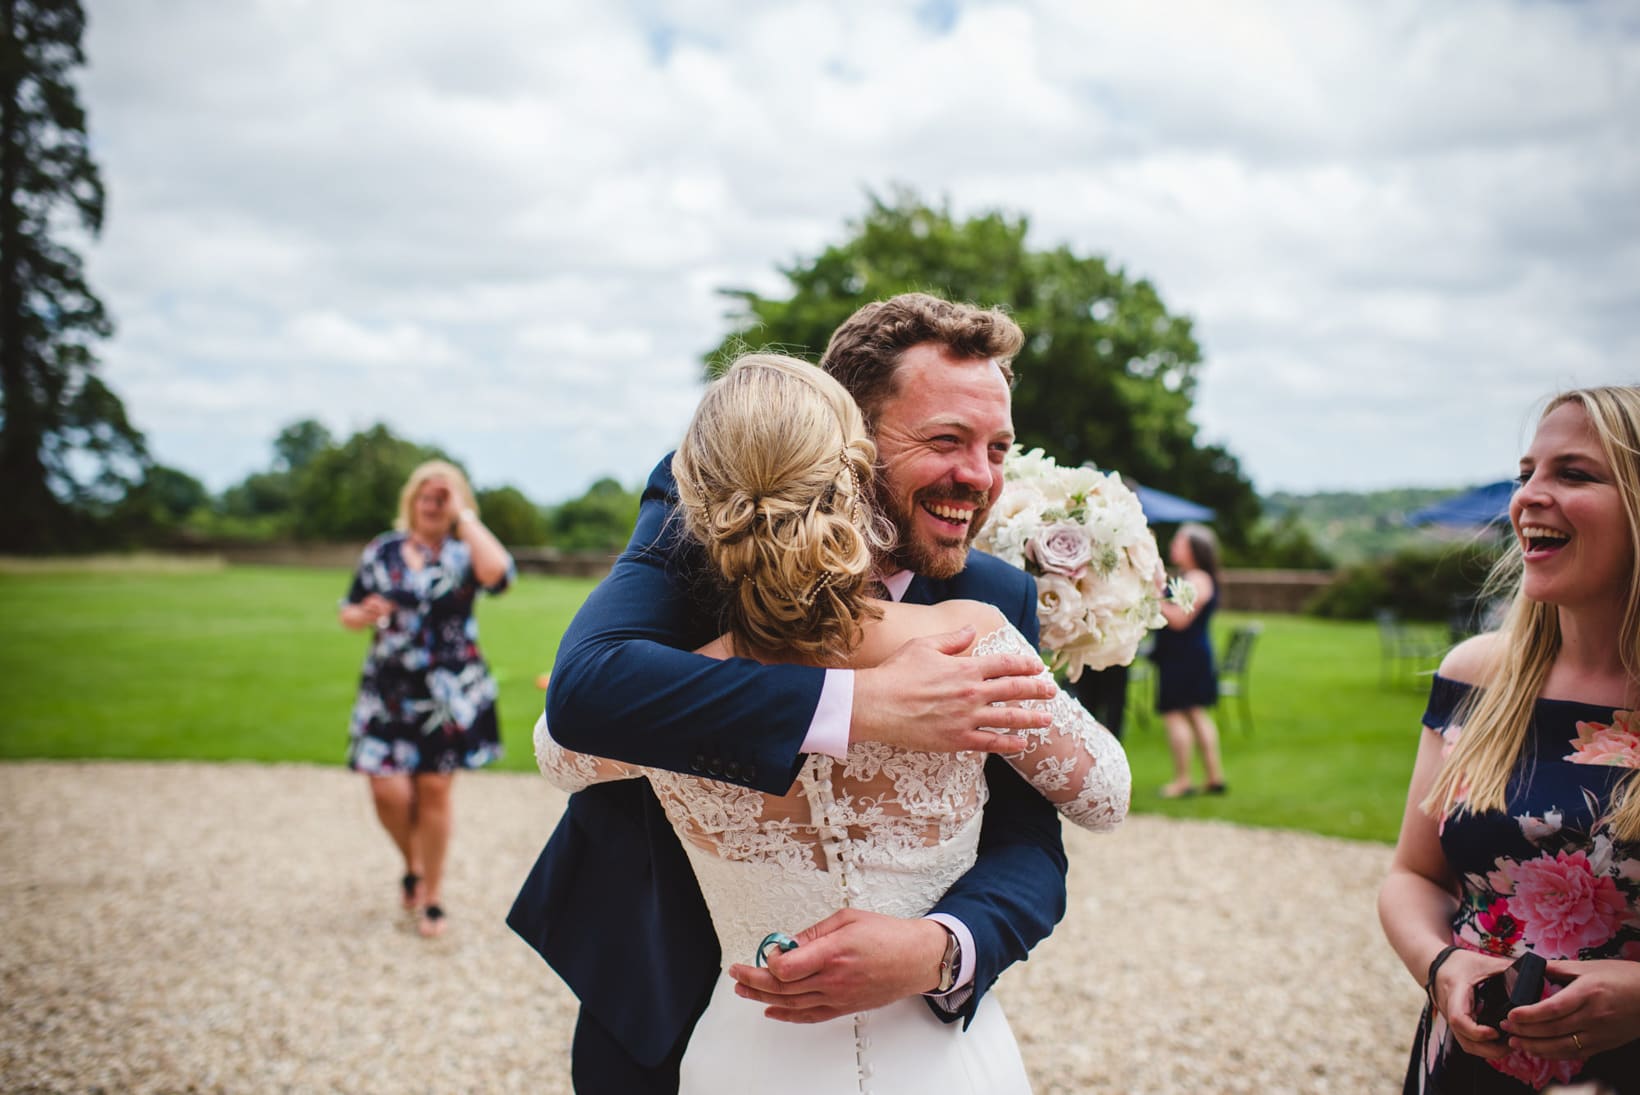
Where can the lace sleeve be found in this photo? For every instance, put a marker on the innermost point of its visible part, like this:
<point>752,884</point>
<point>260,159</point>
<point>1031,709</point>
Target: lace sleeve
<point>1075,763</point>
<point>574,771</point>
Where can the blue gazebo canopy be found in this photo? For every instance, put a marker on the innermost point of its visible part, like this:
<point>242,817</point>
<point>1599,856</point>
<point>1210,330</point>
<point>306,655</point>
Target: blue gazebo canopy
<point>1479,507</point>
<point>1162,508</point>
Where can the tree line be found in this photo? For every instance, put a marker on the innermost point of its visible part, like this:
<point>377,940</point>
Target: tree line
<point>319,488</point>
<point>1107,377</point>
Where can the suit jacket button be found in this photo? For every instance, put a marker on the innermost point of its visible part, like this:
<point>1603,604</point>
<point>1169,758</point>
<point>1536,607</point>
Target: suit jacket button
<point>732,769</point>
<point>698,764</point>
<point>748,773</point>
<point>715,767</point>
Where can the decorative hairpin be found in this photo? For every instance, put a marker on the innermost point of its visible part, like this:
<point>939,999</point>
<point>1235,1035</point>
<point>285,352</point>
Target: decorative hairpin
<point>814,591</point>
<point>854,478</point>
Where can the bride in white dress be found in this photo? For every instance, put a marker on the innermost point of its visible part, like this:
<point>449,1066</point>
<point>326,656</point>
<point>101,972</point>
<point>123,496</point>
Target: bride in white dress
<point>774,478</point>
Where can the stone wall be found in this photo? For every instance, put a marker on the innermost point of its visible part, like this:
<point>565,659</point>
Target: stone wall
<point>1272,590</point>
<point>1281,591</point>
<point>532,560</point>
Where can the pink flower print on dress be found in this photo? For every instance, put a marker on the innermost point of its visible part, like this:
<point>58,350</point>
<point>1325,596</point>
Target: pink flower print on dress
<point>1617,744</point>
<point>1565,907</point>
<point>1537,1071</point>
<point>1502,930</point>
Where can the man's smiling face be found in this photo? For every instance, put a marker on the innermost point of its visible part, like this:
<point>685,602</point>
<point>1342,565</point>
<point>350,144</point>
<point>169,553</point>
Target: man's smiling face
<point>940,440</point>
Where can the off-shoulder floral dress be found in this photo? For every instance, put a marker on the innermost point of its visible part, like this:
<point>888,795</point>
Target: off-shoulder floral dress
<point>1545,876</point>
<point>426,698</point>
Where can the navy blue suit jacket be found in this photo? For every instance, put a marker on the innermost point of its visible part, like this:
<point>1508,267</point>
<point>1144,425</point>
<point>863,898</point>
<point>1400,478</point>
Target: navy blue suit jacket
<point>612,903</point>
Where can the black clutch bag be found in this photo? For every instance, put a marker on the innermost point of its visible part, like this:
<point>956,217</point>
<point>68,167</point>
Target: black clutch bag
<point>1517,986</point>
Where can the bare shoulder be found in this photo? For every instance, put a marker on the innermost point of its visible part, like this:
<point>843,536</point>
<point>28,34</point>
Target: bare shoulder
<point>902,622</point>
<point>719,648</point>
<point>983,618</point>
<point>1471,660</point>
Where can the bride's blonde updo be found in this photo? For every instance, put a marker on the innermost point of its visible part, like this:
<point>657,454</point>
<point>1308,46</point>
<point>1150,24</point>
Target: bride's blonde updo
<point>774,480</point>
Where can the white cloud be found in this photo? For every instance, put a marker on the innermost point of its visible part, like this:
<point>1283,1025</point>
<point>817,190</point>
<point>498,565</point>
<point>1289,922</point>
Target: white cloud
<point>503,229</point>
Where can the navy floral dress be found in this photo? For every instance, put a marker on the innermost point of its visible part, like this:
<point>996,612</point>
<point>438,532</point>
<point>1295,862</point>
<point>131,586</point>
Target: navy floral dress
<point>1545,876</point>
<point>426,699</point>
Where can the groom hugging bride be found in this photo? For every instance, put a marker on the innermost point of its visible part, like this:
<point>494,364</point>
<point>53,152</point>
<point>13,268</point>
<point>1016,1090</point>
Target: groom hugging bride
<point>791,673</point>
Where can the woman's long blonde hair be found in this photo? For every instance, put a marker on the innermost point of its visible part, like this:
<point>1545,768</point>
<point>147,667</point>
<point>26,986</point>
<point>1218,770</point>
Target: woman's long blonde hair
<point>1496,716</point>
<point>774,481</point>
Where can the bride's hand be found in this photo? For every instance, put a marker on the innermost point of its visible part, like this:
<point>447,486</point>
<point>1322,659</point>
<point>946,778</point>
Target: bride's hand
<point>851,961</point>
<point>931,697</point>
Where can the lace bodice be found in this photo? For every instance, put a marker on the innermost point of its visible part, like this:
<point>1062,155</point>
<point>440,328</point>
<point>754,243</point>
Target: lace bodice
<point>886,829</point>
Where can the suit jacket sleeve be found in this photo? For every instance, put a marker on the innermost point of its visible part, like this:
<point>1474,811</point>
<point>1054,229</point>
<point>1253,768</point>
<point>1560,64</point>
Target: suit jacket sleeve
<point>1014,894</point>
<point>625,686</point>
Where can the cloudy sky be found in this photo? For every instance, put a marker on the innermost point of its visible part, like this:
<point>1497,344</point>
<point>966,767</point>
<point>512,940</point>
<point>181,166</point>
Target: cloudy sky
<point>501,226</point>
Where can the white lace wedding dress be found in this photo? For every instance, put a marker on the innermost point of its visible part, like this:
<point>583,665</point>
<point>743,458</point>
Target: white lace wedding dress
<point>886,830</point>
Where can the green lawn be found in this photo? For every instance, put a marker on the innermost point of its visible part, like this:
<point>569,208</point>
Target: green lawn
<point>238,663</point>
<point>1331,747</point>
<point>249,663</point>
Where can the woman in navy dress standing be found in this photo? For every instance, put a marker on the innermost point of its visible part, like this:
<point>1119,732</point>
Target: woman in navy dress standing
<point>1522,825</point>
<point>1187,681</point>
<point>426,703</point>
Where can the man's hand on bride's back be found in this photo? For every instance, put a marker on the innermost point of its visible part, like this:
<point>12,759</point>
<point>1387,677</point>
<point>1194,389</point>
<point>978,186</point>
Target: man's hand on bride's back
<point>932,697</point>
<point>851,961</point>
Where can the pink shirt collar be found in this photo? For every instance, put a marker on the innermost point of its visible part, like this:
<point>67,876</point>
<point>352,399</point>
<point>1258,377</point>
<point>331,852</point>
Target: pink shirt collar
<point>897,583</point>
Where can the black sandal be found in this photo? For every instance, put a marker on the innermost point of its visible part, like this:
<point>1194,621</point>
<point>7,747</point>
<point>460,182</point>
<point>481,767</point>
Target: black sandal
<point>432,921</point>
<point>409,884</point>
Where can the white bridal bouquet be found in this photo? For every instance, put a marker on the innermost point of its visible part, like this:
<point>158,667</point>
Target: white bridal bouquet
<point>1083,535</point>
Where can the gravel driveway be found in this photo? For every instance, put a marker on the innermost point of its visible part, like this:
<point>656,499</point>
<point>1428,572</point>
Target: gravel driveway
<point>234,928</point>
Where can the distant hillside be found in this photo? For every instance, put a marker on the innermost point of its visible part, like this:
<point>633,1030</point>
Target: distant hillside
<point>1352,526</point>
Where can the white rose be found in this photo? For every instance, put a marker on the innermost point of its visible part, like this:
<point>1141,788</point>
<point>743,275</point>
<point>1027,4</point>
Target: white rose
<point>1016,499</point>
<point>1059,610</point>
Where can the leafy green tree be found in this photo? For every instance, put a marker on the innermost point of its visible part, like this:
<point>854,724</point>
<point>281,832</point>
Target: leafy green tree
<point>299,444</point>
<point>599,520</point>
<point>174,493</point>
<point>1420,583</point>
<point>262,502</point>
<point>156,507</point>
<point>1285,543</point>
<point>515,520</point>
<point>351,492</point>
<point>1107,374</point>
<point>260,494</point>
<point>67,450</point>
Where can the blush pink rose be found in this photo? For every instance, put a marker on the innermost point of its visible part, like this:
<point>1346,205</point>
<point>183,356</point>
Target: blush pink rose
<point>1061,548</point>
<point>1617,744</point>
<point>1563,906</point>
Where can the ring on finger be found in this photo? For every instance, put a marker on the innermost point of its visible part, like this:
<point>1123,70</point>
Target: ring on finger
<point>1576,1041</point>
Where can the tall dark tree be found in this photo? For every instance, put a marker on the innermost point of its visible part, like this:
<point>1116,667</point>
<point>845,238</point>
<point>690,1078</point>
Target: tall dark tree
<point>65,442</point>
<point>1107,374</point>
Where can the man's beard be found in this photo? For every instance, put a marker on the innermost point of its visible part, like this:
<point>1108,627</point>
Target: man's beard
<point>939,560</point>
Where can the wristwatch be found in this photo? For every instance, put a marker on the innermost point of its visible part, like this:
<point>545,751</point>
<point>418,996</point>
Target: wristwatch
<point>950,962</point>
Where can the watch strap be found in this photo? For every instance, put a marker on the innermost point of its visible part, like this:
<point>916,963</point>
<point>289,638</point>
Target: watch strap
<point>950,962</point>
